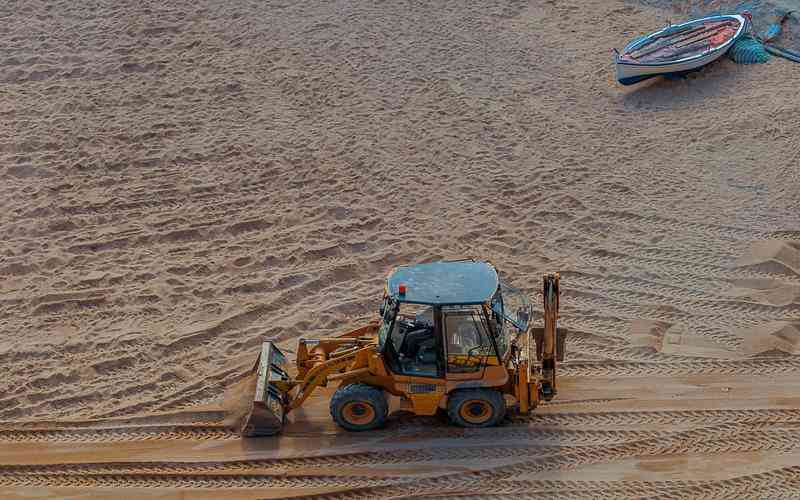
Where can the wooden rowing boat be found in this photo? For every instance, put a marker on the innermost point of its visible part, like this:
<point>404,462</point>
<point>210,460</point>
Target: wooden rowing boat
<point>679,48</point>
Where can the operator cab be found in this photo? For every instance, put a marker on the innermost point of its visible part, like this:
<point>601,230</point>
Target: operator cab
<point>449,319</point>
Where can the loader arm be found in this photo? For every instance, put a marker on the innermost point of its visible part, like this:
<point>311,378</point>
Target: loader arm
<point>318,375</point>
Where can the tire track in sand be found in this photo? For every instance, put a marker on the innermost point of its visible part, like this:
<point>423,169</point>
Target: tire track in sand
<point>95,435</point>
<point>521,426</point>
<point>715,439</point>
<point>775,483</point>
<point>711,440</point>
<point>204,481</point>
<point>768,366</point>
<point>626,419</point>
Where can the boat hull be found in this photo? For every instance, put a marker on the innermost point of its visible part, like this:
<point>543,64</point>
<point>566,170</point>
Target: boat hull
<point>630,71</point>
<point>628,74</point>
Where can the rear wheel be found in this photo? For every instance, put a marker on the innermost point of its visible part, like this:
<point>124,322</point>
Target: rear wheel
<point>476,407</point>
<point>359,407</point>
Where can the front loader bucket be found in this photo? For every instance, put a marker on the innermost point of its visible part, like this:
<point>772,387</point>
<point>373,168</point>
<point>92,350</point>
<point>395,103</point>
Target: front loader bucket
<point>268,410</point>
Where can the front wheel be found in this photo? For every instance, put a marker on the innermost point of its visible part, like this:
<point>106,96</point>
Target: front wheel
<point>359,407</point>
<point>476,407</point>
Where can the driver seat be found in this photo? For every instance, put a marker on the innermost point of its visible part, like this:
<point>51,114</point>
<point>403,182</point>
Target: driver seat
<point>415,340</point>
<point>424,362</point>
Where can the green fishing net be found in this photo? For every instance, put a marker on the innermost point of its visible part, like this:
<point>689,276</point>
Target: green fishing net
<point>748,50</point>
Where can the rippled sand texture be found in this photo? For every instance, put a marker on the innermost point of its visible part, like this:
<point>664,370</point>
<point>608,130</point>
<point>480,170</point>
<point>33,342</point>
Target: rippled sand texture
<point>181,179</point>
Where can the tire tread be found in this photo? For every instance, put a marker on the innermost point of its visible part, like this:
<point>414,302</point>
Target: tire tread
<point>359,392</point>
<point>494,397</point>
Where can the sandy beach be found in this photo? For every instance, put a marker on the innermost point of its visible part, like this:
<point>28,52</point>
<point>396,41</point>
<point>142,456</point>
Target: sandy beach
<point>181,180</point>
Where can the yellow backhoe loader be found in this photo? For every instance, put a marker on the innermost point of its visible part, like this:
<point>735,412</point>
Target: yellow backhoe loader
<point>451,336</point>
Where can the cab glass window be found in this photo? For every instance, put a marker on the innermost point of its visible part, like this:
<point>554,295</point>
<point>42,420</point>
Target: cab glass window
<point>412,347</point>
<point>467,340</point>
<point>388,312</point>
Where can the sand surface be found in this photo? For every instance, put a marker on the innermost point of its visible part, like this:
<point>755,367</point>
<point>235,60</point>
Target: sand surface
<point>181,179</point>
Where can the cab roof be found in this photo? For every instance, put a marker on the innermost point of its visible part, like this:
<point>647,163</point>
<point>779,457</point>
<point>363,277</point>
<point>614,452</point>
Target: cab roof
<point>463,282</point>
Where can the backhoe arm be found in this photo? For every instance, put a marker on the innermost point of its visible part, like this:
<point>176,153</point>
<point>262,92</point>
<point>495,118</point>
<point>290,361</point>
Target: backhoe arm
<point>549,337</point>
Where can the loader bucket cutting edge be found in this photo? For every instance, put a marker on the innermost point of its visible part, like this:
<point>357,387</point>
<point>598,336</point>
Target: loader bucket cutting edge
<point>268,409</point>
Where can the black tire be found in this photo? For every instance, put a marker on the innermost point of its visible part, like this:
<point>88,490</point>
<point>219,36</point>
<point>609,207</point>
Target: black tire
<point>359,407</point>
<point>476,407</point>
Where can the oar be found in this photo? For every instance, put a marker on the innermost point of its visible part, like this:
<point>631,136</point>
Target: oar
<point>782,52</point>
<point>709,33</point>
<point>670,30</point>
<point>696,39</point>
<point>700,29</point>
<point>655,42</point>
<point>687,49</point>
<point>686,42</point>
<point>661,42</point>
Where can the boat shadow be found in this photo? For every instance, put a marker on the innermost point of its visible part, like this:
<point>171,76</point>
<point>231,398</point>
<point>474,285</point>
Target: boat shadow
<point>713,81</point>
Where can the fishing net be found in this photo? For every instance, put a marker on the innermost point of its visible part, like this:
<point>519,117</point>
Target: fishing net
<point>755,49</point>
<point>748,50</point>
